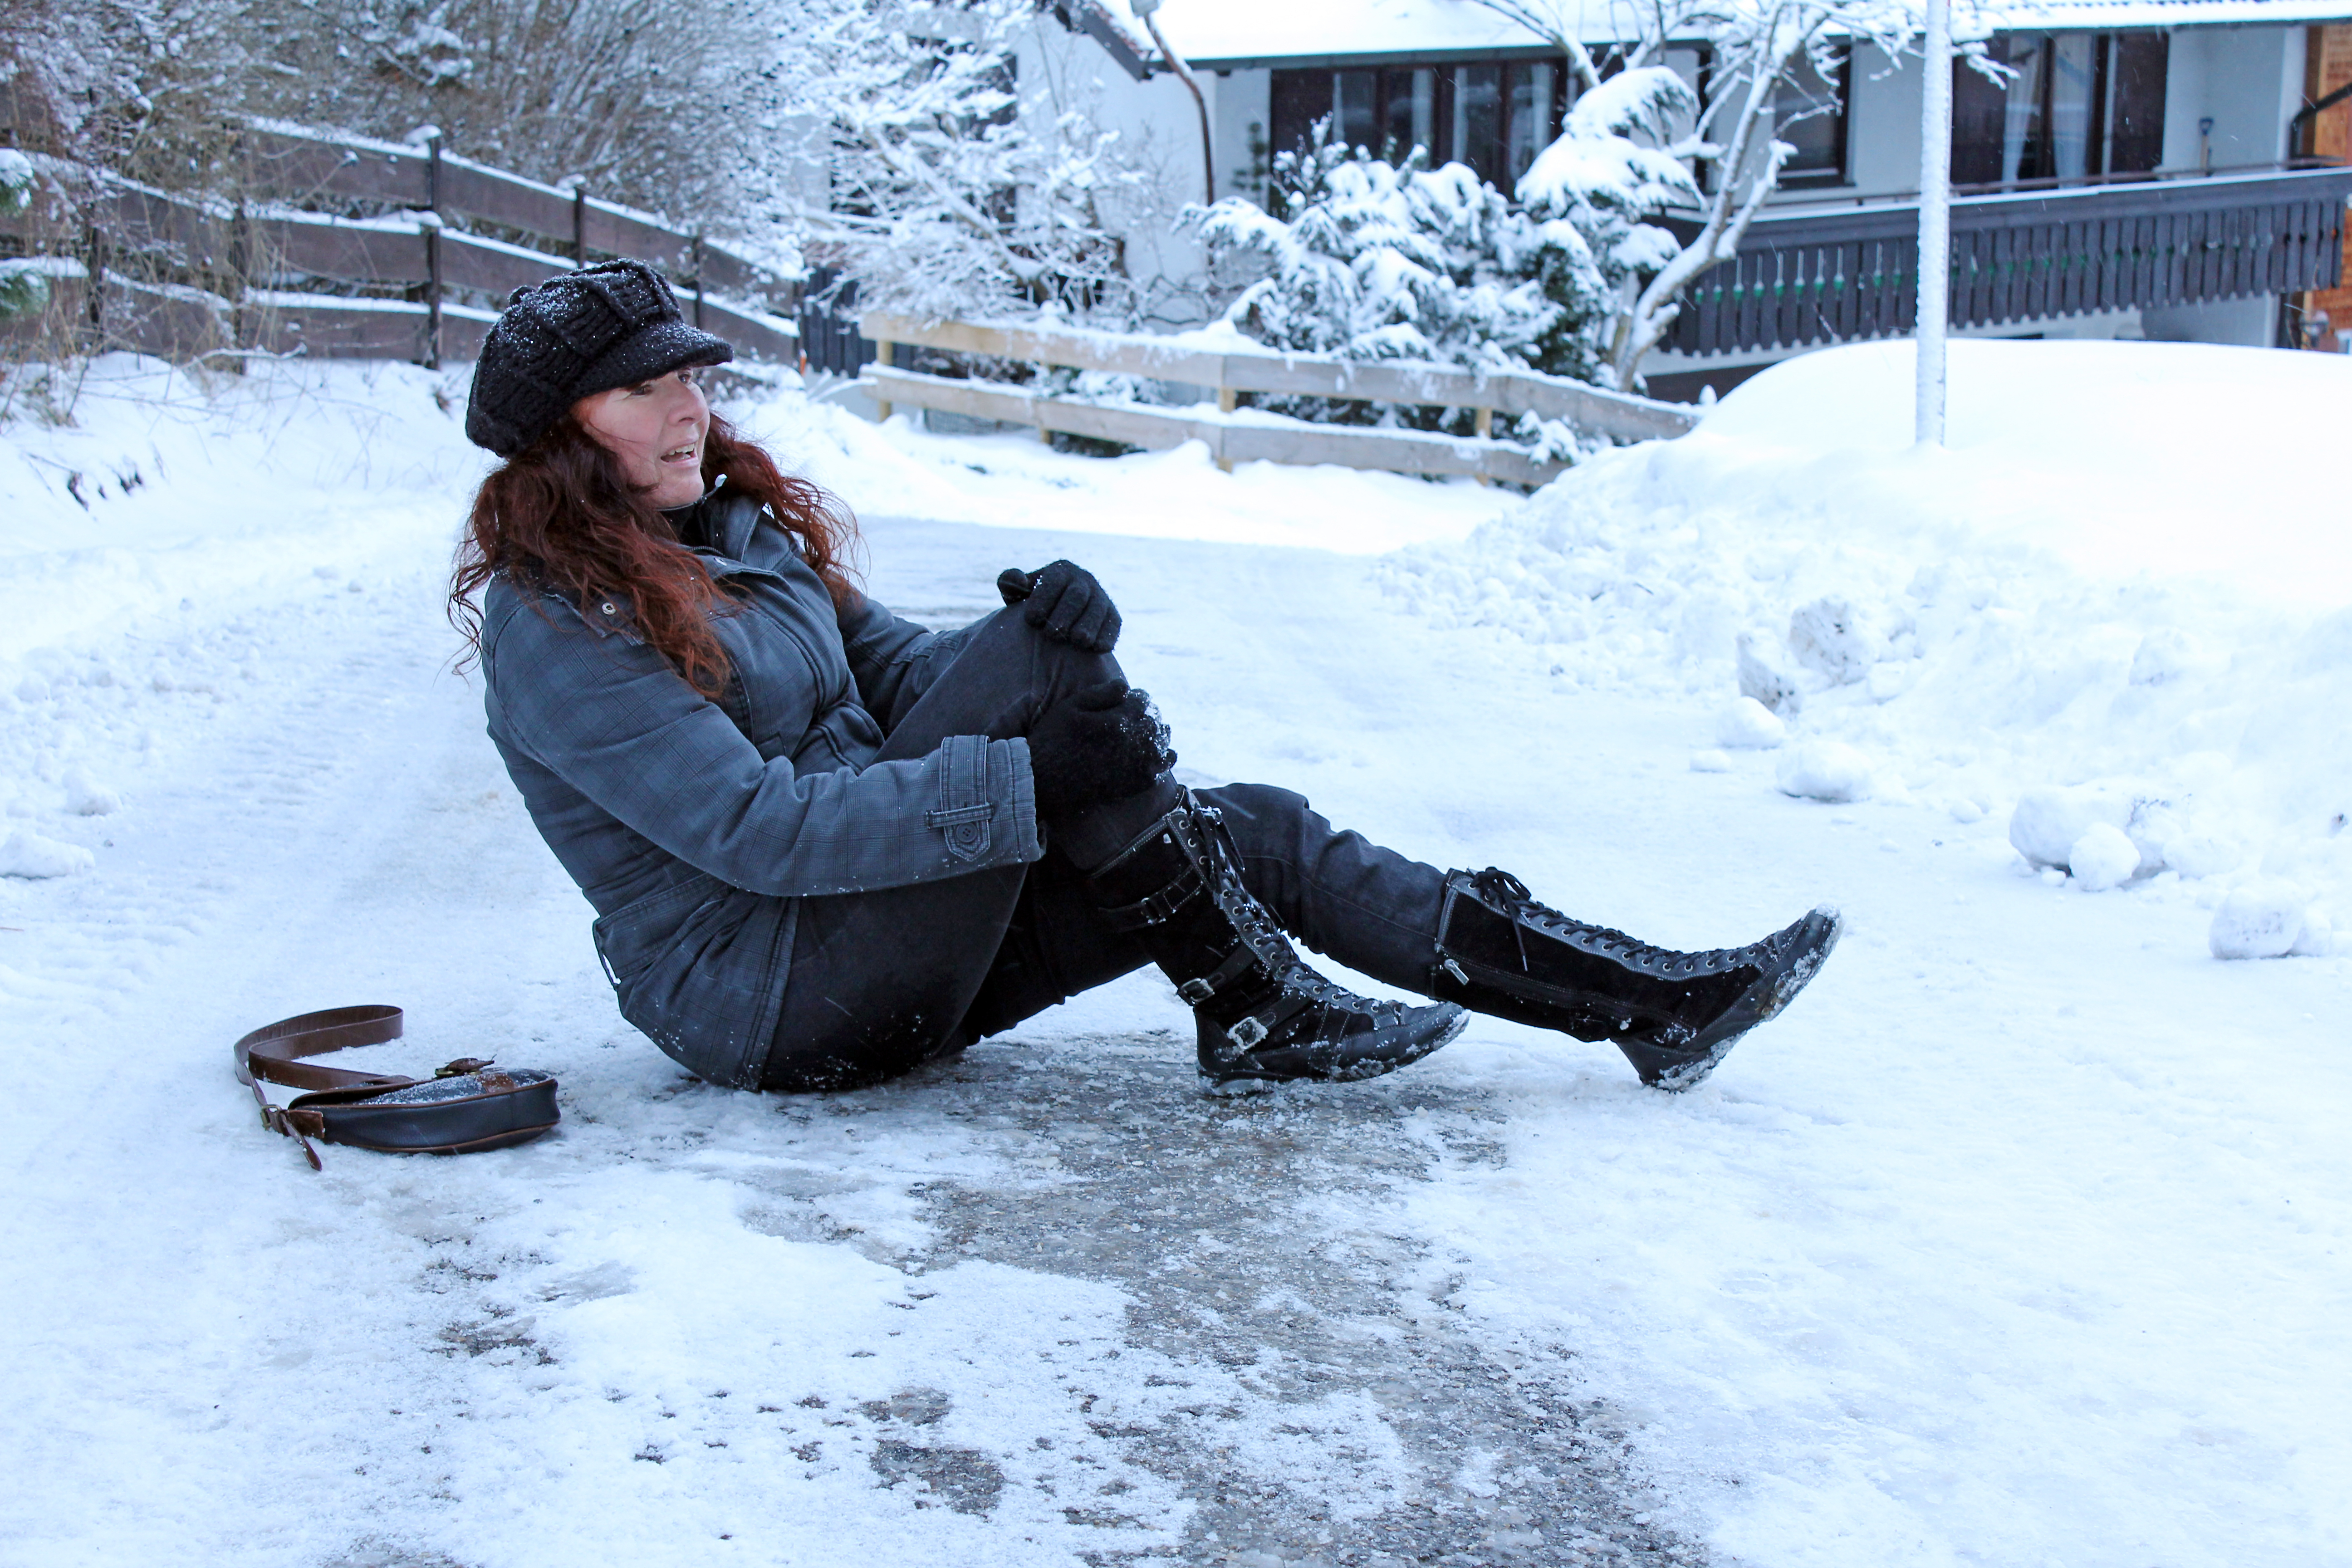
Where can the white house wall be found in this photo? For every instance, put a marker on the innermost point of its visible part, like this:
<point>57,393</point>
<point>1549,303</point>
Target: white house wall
<point>2247,80</point>
<point>1242,109</point>
<point>1159,134</point>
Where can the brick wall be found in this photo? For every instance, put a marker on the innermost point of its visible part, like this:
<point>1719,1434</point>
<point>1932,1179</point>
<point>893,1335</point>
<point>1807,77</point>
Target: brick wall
<point>2328,66</point>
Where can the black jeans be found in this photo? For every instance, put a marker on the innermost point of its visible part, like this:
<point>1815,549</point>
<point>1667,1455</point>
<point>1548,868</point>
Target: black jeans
<point>882,981</point>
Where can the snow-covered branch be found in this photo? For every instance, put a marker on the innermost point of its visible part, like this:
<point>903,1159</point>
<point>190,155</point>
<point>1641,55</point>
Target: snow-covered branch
<point>1605,164</point>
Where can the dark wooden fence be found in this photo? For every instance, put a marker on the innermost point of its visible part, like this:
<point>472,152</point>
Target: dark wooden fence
<point>1816,277</point>
<point>170,274</point>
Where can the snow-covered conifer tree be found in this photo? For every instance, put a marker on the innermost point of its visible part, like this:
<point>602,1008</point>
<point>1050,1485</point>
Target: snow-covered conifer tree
<point>1372,260</point>
<point>1630,147</point>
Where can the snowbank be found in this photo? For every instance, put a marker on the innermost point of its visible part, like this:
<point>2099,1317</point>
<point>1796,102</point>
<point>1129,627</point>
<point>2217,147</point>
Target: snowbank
<point>2126,578</point>
<point>1015,481</point>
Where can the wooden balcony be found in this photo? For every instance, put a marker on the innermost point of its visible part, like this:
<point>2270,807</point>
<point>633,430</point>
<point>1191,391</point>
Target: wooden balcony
<point>1834,275</point>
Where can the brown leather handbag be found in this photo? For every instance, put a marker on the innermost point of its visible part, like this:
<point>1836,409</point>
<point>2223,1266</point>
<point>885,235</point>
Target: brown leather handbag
<point>466,1106</point>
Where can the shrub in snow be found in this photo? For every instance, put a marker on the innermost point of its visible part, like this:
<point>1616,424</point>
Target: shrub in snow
<point>2266,918</point>
<point>17,181</point>
<point>1824,770</point>
<point>1764,677</point>
<point>1372,260</point>
<point>24,287</point>
<point>1747,724</point>
<point>25,853</point>
<point>2102,857</point>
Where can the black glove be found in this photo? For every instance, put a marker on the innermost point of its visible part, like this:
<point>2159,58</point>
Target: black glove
<point>1066,602</point>
<point>1102,742</point>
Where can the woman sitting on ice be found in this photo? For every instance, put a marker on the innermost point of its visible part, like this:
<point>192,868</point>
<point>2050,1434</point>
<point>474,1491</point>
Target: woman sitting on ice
<point>826,844</point>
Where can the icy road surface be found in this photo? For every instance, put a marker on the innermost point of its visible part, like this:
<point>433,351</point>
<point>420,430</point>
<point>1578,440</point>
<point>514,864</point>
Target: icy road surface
<point>2022,1239</point>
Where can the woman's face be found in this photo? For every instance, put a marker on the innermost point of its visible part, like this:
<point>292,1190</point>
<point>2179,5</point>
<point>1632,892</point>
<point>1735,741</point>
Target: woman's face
<point>655,428</point>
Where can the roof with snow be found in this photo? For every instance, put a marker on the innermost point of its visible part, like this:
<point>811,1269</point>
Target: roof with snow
<point>1228,34</point>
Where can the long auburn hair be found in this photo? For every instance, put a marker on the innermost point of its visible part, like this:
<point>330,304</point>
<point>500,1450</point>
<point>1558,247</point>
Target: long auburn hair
<point>560,514</point>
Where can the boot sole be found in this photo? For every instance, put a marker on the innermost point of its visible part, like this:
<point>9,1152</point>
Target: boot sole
<point>1686,1067</point>
<point>1408,1047</point>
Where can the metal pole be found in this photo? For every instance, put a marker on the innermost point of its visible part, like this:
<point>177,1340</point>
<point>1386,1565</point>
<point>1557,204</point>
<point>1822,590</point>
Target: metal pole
<point>1935,219</point>
<point>1183,72</point>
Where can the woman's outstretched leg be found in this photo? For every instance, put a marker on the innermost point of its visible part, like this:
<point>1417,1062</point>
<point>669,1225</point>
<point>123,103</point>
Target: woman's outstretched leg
<point>1481,941</point>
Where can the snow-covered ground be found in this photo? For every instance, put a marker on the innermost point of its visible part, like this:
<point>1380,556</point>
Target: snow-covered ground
<point>2020,1240</point>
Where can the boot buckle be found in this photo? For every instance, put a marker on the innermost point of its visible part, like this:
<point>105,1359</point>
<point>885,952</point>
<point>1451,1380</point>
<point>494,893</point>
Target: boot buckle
<point>1196,991</point>
<point>1247,1032</point>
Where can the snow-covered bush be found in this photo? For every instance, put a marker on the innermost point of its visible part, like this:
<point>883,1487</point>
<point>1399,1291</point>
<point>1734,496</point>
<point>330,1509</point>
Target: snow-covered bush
<point>1373,260</point>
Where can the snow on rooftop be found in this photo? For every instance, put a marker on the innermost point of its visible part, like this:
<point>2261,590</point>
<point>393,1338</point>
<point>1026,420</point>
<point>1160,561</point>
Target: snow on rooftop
<point>1213,32</point>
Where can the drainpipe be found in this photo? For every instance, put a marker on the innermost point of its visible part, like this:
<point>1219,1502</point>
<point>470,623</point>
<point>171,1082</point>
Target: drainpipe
<point>1935,220</point>
<point>1144,10</point>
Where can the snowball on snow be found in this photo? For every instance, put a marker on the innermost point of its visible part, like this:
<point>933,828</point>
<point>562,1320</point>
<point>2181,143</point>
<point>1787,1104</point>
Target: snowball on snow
<point>25,854</point>
<point>2318,938</point>
<point>2047,822</point>
<point>2263,918</point>
<point>1764,677</point>
<point>1706,760</point>
<point>85,797</point>
<point>2102,857</point>
<point>1748,725</point>
<point>1825,770</point>
<point>1828,636</point>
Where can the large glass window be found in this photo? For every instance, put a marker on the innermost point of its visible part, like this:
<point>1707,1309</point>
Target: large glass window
<point>1809,113</point>
<point>1494,116</point>
<point>2076,106</point>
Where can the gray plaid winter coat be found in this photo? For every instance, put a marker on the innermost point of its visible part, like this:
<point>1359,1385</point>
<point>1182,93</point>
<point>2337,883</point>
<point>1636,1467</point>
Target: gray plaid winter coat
<point>695,826</point>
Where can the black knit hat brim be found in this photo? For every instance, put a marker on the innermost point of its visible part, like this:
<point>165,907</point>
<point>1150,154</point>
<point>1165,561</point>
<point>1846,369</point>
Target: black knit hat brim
<point>651,352</point>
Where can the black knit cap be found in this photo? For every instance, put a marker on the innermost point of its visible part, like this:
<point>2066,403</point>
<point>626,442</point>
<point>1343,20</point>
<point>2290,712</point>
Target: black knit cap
<point>613,324</point>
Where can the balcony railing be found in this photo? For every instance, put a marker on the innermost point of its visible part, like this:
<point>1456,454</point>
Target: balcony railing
<point>1816,277</point>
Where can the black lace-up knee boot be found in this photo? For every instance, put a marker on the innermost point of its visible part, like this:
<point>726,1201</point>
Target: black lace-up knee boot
<point>1262,1015</point>
<point>1672,1013</point>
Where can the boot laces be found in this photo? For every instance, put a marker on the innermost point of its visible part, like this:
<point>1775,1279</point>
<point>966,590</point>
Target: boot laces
<point>1606,941</point>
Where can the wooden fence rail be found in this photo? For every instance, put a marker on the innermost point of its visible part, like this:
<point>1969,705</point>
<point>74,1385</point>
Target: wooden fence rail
<point>1236,435</point>
<point>226,267</point>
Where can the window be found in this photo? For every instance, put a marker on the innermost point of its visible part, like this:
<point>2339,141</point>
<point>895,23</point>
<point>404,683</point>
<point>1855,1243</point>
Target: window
<point>1808,112</point>
<point>1494,116</point>
<point>2078,106</point>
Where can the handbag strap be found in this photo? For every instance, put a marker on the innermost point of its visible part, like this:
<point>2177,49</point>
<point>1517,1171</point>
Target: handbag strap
<point>275,1052</point>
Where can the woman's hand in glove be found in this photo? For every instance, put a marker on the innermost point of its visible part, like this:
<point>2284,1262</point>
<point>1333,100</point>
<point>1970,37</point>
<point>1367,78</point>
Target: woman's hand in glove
<point>1100,743</point>
<point>1066,602</point>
